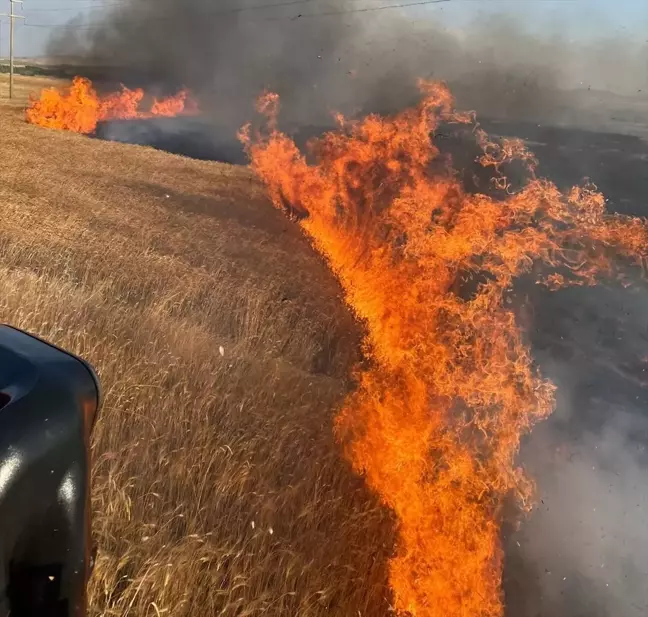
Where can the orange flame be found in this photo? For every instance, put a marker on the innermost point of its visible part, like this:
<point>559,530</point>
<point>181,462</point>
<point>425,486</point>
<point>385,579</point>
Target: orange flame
<point>436,420</point>
<point>79,108</point>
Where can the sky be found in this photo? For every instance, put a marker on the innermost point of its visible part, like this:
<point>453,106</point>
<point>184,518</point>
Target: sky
<point>573,18</point>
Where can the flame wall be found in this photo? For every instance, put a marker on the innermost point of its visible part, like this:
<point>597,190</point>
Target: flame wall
<point>451,388</point>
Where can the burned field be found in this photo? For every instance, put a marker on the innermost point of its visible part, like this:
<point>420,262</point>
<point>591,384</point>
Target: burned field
<point>195,138</point>
<point>616,163</point>
<point>178,216</point>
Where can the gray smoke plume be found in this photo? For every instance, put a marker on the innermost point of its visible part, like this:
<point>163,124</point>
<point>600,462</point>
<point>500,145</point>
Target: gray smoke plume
<point>584,549</point>
<point>325,56</point>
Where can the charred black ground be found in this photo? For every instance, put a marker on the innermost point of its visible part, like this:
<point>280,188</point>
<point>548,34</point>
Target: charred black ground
<point>192,137</point>
<point>615,162</point>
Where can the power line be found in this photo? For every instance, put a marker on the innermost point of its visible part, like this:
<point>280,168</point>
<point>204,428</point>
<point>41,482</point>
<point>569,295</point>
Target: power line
<point>233,10</point>
<point>368,9</point>
<point>260,7</point>
<point>287,3</point>
<point>77,8</point>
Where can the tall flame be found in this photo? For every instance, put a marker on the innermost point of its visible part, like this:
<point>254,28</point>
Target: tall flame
<point>79,108</point>
<point>436,420</point>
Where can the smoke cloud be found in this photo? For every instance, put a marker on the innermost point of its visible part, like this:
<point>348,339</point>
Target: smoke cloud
<point>584,549</point>
<point>322,57</point>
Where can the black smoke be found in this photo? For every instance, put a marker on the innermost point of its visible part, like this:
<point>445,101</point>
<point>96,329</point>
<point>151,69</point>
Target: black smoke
<point>325,55</point>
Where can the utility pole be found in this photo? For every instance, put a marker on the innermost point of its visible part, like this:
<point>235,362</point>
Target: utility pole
<point>12,16</point>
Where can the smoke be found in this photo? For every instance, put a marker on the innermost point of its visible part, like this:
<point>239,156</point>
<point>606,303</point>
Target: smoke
<point>584,549</point>
<point>588,540</point>
<point>325,56</point>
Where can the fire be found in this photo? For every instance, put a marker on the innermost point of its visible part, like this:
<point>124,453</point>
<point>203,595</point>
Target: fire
<point>450,388</point>
<point>79,108</point>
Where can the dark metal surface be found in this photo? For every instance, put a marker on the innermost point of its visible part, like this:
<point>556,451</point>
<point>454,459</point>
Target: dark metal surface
<point>48,405</point>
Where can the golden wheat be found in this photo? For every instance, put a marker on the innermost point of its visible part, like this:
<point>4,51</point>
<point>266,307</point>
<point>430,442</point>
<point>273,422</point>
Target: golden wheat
<point>223,349</point>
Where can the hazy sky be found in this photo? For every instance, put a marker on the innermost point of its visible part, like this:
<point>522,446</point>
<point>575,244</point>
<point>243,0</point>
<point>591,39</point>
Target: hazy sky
<point>574,18</point>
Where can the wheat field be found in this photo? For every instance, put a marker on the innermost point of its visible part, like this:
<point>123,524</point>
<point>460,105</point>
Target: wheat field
<point>223,347</point>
